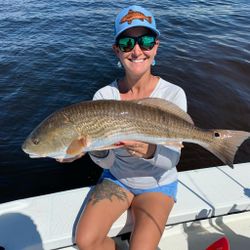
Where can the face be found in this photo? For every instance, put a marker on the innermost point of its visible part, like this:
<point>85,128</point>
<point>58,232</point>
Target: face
<point>137,61</point>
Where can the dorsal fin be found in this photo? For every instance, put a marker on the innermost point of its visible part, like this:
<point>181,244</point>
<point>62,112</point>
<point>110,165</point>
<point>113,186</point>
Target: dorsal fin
<point>165,106</point>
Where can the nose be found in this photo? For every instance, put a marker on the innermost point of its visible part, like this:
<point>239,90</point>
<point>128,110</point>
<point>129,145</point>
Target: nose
<point>137,50</point>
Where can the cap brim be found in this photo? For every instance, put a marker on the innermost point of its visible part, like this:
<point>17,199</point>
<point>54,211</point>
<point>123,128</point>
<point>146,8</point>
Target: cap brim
<point>156,31</point>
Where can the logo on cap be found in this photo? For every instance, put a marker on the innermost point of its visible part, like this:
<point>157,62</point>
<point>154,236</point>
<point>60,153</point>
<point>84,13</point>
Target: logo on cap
<point>135,15</point>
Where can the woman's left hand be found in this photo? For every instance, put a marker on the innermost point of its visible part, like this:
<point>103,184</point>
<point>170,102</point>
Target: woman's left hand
<point>140,149</point>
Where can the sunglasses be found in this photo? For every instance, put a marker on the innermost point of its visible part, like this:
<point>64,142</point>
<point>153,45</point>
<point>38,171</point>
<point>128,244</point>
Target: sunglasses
<point>127,43</point>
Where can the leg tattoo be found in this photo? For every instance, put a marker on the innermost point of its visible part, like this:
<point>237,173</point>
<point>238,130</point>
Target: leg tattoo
<point>105,190</point>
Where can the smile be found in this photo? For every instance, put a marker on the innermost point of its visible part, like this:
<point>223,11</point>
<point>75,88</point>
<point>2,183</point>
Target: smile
<point>137,60</point>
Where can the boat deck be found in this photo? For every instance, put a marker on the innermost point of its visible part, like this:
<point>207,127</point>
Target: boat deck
<point>212,201</point>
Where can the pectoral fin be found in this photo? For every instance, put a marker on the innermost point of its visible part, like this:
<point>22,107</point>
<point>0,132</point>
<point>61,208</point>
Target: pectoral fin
<point>77,146</point>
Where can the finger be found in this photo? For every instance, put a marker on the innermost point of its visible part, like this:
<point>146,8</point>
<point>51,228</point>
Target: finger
<point>135,146</point>
<point>139,147</point>
<point>129,143</point>
<point>132,152</point>
<point>118,144</point>
<point>135,153</point>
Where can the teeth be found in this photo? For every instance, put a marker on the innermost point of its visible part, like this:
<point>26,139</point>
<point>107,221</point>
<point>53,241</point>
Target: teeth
<point>137,60</point>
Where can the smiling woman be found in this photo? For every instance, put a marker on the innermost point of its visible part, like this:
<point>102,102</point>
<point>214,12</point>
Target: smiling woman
<point>54,53</point>
<point>144,174</point>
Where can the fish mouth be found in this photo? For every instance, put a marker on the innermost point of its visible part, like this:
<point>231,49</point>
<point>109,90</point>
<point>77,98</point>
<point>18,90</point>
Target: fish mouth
<point>24,147</point>
<point>35,156</point>
<point>31,155</point>
<point>55,156</point>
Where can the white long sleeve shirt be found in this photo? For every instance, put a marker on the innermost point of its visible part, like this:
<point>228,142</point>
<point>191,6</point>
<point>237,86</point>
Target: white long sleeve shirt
<point>139,172</point>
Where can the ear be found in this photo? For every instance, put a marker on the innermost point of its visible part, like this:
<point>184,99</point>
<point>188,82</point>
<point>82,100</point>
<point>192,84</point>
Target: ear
<point>115,49</point>
<point>157,44</point>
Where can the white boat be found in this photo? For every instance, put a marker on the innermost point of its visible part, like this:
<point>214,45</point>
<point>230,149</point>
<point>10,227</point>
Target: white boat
<point>212,202</point>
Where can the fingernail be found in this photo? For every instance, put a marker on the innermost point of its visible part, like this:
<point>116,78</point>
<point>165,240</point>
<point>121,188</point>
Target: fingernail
<point>119,144</point>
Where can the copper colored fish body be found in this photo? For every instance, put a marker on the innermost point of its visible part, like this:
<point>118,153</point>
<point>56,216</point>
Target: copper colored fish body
<point>99,125</point>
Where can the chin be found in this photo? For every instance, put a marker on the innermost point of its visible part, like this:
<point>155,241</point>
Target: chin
<point>139,69</point>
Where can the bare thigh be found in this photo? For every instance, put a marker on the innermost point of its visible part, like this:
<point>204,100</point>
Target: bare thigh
<point>107,202</point>
<point>150,213</point>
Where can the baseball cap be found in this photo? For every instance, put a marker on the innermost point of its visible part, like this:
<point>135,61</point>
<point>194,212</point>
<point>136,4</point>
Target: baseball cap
<point>134,16</point>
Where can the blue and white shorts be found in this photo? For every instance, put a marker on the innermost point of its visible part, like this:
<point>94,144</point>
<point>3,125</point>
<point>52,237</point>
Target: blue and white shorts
<point>168,189</point>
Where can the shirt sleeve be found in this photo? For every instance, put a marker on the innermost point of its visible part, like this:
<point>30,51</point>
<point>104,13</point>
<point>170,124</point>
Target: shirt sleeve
<point>165,157</point>
<point>104,162</point>
<point>98,96</point>
<point>180,99</point>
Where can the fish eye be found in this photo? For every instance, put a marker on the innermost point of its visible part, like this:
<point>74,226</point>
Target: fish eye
<point>35,141</point>
<point>216,134</point>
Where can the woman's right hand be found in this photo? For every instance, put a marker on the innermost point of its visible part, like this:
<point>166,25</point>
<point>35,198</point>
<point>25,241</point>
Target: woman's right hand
<point>68,160</point>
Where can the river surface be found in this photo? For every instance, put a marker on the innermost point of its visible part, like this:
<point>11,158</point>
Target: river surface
<point>55,53</point>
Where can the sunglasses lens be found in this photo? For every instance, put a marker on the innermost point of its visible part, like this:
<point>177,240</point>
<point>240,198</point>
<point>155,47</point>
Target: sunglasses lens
<point>147,42</point>
<point>126,44</point>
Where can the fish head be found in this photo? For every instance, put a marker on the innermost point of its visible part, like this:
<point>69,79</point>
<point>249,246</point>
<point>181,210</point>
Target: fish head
<point>51,138</point>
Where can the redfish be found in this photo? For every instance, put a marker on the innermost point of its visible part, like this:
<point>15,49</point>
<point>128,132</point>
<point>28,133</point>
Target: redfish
<point>102,124</point>
<point>135,15</point>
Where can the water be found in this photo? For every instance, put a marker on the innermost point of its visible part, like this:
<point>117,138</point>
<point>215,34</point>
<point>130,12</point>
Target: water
<point>54,53</point>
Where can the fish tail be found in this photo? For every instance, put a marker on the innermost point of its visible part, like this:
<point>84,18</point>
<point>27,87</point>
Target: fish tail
<point>226,144</point>
<point>149,19</point>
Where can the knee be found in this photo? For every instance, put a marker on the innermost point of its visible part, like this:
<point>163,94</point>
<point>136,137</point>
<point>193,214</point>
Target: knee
<point>87,240</point>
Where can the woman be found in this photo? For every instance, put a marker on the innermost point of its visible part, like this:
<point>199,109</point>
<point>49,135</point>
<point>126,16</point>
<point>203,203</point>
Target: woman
<point>139,176</point>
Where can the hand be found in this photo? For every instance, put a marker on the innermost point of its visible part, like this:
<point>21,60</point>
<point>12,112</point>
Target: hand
<point>140,149</point>
<point>68,160</point>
